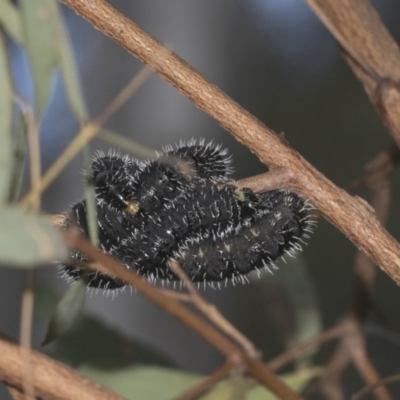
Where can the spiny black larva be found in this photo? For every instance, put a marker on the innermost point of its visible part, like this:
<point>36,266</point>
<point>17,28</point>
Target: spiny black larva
<point>183,207</point>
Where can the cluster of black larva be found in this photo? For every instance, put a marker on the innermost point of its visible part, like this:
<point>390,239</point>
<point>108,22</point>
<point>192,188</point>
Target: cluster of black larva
<point>183,207</point>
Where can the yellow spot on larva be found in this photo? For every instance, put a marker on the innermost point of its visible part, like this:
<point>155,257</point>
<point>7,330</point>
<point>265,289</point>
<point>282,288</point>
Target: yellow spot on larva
<point>132,208</point>
<point>238,194</point>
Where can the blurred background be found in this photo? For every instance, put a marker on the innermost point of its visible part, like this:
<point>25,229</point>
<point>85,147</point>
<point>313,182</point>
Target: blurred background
<point>276,60</point>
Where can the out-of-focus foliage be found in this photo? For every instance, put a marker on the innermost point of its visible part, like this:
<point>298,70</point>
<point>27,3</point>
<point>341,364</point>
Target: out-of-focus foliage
<point>27,240</point>
<point>6,108</point>
<point>156,383</point>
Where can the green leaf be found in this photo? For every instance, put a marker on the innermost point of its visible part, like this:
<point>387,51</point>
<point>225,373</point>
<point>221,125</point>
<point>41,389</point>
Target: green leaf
<point>38,18</point>
<point>144,383</point>
<point>19,151</point>
<point>296,381</point>
<point>304,305</point>
<point>156,383</point>
<point>10,19</point>
<point>45,302</point>
<point>65,60</point>
<point>95,344</point>
<point>27,240</point>
<point>117,140</point>
<point>299,318</point>
<point>67,311</point>
<point>235,388</point>
<point>6,110</point>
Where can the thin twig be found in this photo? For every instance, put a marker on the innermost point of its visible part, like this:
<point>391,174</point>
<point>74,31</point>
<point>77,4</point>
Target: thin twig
<point>296,351</point>
<point>355,343</point>
<point>15,393</point>
<point>330,382</point>
<point>52,380</point>
<point>26,335</point>
<point>363,392</point>
<point>212,313</point>
<point>87,132</point>
<point>206,384</point>
<point>371,52</point>
<point>351,215</point>
<point>378,168</point>
<point>108,265</point>
<point>28,294</point>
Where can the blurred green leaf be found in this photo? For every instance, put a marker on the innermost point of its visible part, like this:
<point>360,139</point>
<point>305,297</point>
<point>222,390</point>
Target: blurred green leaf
<point>27,240</point>
<point>144,383</point>
<point>10,19</point>
<point>92,342</point>
<point>45,302</point>
<point>38,19</point>
<point>235,388</point>
<point>19,150</point>
<point>67,311</point>
<point>304,305</point>
<point>65,60</point>
<point>155,383</point>
<point>6,116</point>
<point>117,140</point>
<point>296,381</point>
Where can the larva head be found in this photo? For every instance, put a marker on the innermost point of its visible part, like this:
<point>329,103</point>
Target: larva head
<point>114,178</point>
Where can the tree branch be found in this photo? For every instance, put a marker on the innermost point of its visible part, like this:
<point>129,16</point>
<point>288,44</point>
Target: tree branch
<point>51,379</point>
<point>349,214</point>
<point>108,265</point>
<point>370,51</point>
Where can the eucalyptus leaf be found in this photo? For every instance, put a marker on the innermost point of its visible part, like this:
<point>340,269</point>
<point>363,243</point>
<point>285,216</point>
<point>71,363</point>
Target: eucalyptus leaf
<point>66,62</point>
<point>156,383</point>
<point>93,343</point>
<point>46,299</point>
<point>19,150</point>
<point>6,111</point>
<point>144,383</point>
<point>67,311</point>
<point>38,18</point>
<point>28,240</point>
<point>11,21</point>
<point>235,388</point>
<point>304,305</point>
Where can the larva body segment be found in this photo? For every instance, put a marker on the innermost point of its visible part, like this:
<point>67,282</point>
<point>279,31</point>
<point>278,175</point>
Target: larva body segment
<point>184,207</point>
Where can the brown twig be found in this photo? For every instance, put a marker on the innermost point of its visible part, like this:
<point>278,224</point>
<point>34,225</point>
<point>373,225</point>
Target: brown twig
<point>208,382</point>
<point>52,380</point>
<point>364,391</point>
<point>296,351</point>
<point>108,265</point>
<point>28,294</point>
<point>370,51</point>
<point>212,313</point>
<point>354,342</point>
<point>376,180</point>
<point>330,382</point>
<point>378,168</point>
<point>26,335</point>
<point>16,394</point>
<point>87,132</point>
<point>375,59</point>
<point>350,214</point>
